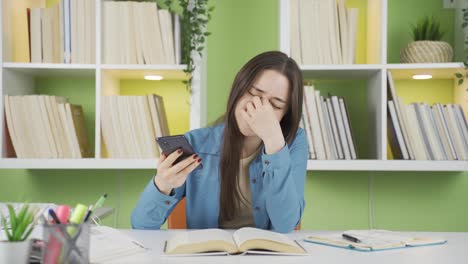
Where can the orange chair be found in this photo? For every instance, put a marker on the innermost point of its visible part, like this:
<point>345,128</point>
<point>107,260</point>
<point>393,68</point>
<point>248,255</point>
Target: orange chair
<point>177,219</point>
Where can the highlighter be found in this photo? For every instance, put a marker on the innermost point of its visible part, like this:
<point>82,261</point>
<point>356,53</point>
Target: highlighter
<point>63,212</point>
<point>77,218</point>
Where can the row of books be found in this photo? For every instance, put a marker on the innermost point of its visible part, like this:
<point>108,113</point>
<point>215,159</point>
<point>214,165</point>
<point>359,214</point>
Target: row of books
<point>131,124</point>
<point>323,32</point>
<point>328,126</point>
<point>63,33</point>
<point>43,126</point>
<point>139,33</point>
<point>420,132</point>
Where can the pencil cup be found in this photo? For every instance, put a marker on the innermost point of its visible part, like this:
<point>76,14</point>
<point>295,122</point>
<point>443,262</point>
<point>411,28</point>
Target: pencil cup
<point>66,243</point>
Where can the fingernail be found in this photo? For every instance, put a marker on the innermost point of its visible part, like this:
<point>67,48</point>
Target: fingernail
<point>195,156</point>
<point>179,151</point>
<point>199,160</point>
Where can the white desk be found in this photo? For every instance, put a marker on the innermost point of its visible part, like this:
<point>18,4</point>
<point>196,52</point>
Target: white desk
<point>455,251</point>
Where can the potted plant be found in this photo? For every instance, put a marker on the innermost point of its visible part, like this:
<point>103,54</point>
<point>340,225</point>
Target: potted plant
<point>17,247</point>
<point>427,46</point>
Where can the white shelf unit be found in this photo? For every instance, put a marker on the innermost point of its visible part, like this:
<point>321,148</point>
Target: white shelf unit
<point>18,79</point>
<point>375,72</point>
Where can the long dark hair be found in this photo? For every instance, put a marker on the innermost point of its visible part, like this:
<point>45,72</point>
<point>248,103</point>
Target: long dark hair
<point>233,139</point>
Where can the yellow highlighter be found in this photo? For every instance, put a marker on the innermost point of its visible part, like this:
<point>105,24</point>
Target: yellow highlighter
<point>77,218</point>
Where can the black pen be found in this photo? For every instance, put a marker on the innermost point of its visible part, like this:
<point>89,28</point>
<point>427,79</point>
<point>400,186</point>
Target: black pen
<point>351,238</point>
<point>54,216</point>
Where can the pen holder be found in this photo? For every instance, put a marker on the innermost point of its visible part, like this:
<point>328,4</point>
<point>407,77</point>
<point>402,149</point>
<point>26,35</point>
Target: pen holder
<point>66,243</point>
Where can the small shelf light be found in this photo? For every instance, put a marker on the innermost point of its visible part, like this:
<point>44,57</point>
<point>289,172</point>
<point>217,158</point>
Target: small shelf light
<point>153,77</point>
<point>422,76</point>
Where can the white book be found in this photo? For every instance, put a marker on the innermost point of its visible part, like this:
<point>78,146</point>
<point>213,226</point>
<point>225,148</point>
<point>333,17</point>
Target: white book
<point>437,132</point>
<point>329,131</point>
<point>429,130</point>
<point>154,115</point>
<point>22,122</point>
<point>341,127</point>
<point>397,130</point>
<point>294,27</point>
<point>158,56</point>
<point>444,119</point>
<point>118,134</point>
<point>138,31</point>
<point>74,31</point>
<point>37,126</point>
<point>310,144</point>
<point>129,127</point>
<point>148,131</point>
<point>36,35</point>
<point>352,34</point>
<point>317,34</point>
<point>456,133</point>
<point>12,125</point>
<point>343,26</point>
<point>106,127</point>
<point>47,43</point>
<point>167,34</point>
<point>326,140</point>
<point>334,127</point>
<point>347,126</point>
<point>177,39</point>
<point>307,34</point>
<point>68,130</point>
<point>72,130</point>
<point>315,123</point>
<point>462,126</point>
<point>137,127</point>
<point>415,134</point>
<point>66,22</point>
<point>54,120</point>
<point>57,33</point>
<point>419,115</point>
<point>443,133</point>
<point>67,148</point>
<point>93,32</point>
<point>324,26</point>
<point>129,33</point>
<point>402,117</point>
<point>47,125</point>
<point>333,32</point>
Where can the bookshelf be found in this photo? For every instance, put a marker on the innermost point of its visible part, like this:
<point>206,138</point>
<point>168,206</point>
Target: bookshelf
<point>96,80</point>
<point>371,67</point>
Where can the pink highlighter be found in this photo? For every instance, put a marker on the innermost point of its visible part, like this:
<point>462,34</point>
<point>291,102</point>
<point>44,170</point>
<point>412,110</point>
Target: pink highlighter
<point>53,253</point>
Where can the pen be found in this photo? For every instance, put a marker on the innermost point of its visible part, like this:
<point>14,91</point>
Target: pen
<point>351,238</point>
<point>99,202</point>
<point>88,214</point>
<point>54,216</point>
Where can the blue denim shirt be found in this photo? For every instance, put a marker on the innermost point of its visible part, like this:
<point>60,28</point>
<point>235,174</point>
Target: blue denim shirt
<point>276,184</point>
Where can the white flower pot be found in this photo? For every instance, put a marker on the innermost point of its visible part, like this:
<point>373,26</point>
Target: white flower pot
<point>15,252</point>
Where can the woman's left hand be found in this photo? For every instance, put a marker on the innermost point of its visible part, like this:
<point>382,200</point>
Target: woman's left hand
<point>260,116</point>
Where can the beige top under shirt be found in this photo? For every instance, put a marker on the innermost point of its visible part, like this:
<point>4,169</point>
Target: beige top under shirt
<point>245,217</point>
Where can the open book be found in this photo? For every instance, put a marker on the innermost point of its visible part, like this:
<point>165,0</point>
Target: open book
<point>372,240</point>
<point>220,242</point>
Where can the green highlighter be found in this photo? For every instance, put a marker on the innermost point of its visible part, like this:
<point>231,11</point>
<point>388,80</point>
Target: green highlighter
<point>77,217</point>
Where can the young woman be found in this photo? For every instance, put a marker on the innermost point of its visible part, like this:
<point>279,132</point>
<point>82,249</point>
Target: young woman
<point>254,161</point>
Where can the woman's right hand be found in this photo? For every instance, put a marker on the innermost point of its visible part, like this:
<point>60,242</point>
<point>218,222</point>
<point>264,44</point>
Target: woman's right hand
<point>171,176</point>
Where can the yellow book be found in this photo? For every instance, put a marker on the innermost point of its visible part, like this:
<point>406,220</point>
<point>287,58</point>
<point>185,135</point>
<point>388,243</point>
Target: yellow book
<point>246,240</point>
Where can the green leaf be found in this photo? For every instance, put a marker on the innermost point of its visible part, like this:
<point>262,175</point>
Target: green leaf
<point>23,211</point>
<point>13,219</point>
<point>459,75</point>
<point>18,233</point>
<point>460,82</point>
<point>5,228</point>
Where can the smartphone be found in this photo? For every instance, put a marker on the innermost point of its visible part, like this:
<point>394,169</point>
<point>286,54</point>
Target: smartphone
<point>169,144</point>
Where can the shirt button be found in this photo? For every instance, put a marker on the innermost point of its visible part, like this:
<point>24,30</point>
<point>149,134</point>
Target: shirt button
<point>167,202</point>
<point>257,208</point>
<point>254,180</point>
<point>267,162</point>
<point>263,174</point>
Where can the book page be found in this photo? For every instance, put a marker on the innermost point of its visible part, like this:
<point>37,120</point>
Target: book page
<point>248,233</point>
<point>201,241</point>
